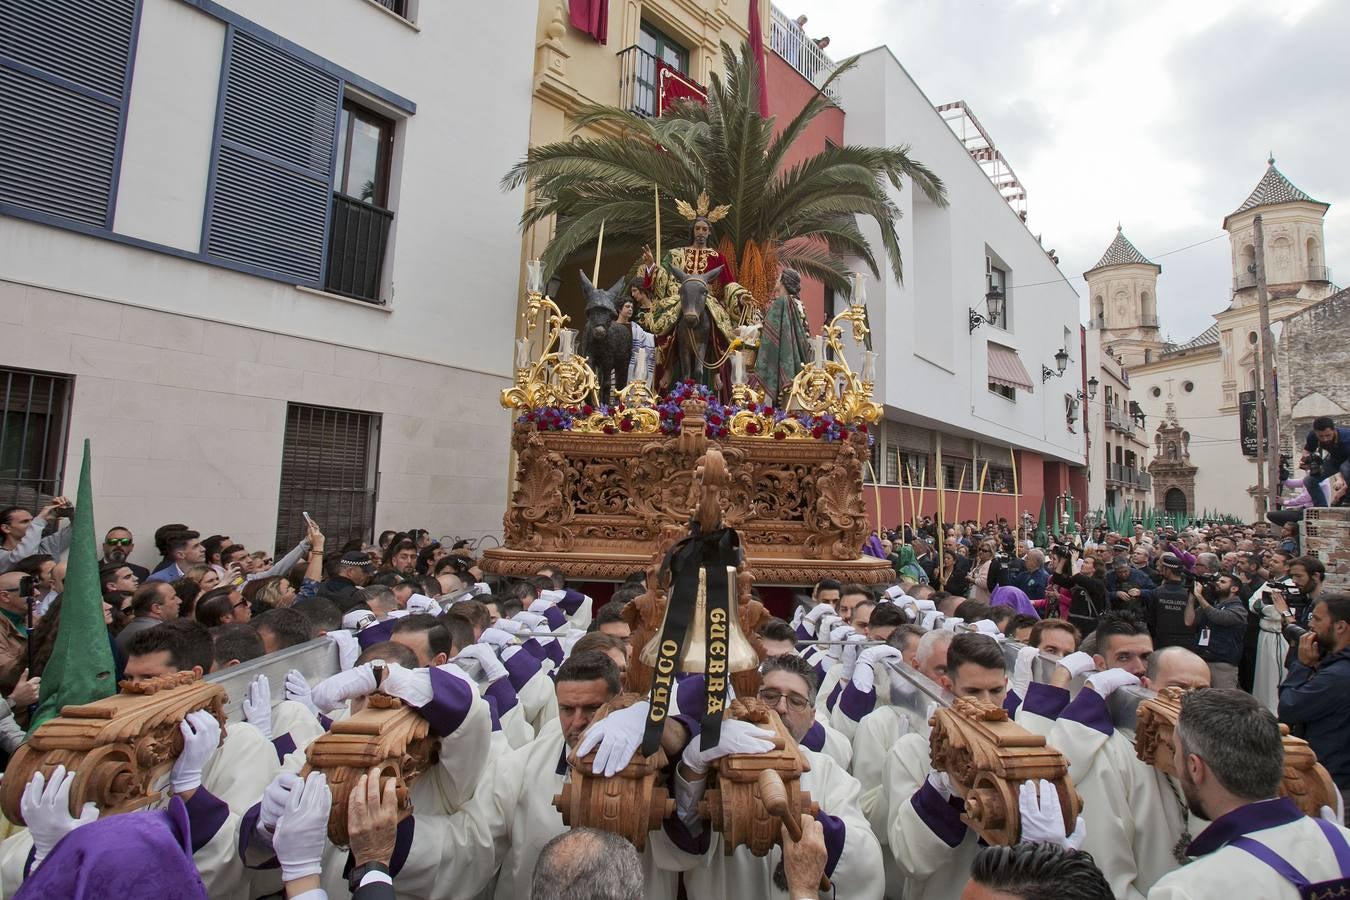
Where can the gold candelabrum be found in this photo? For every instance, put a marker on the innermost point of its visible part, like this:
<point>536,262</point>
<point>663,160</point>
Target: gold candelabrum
<point>827,384</point>
<point>559,376</point>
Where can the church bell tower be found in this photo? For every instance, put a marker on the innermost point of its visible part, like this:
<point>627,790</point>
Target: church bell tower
<point>1123,292</point>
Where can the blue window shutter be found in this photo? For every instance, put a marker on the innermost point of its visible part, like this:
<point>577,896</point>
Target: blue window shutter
<point>271,183</point>
<point>64,66</point>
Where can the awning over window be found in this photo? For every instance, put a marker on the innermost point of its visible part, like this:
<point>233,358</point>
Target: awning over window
<point>1006,369</point>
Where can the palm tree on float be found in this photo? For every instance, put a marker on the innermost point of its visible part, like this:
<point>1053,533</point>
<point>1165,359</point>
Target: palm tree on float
<point>801,215</point>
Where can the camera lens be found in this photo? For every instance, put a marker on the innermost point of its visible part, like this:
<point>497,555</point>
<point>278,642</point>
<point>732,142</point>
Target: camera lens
<point>1294,633</point>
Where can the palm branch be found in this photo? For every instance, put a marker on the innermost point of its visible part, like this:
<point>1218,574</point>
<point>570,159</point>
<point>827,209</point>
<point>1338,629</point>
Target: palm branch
<point>804,214</point>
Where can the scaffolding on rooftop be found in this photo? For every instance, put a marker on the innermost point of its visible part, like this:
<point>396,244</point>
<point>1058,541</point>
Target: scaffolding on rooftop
<point>981,147</point>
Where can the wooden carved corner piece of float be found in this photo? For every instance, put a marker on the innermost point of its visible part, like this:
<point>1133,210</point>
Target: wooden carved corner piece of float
<point>987,756</point>
<point>629,804</point>
<point>120,747</point>
<point>1306,781</point>
<point>756,793</point>
<point>539,514</point>
<point>838,518</point>
<point>387,734</point>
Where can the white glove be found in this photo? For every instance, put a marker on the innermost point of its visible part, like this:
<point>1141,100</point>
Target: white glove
<point>45,806</point>
<point>849,659</point>
<point>413,686</point>
<point>930,619</point>
<point>421,603</point>
<point>736,737</point>
<point>839,633</point>
<point>297,689</point>
<point>274,799</point>
<point>529,620</point>
<point>302,829</point>
<point>487,661</point>
<point>1021,676</point>
<point>547,599</point>
<point>496,637</point>
<point>829,622</point>
<point>510,626</point>
<point>349,648</point>
<point>1105,683</point>
<point>894,593</point>
<point>820,609</point>
<point>798,616</point>
<point>940,782</point>
<point>257,705</point>
<point>925,605</point>
<point>480,588</point>
<point>953,624</point>
<point>618,735</point>
<point>1043,819</point>
<point>201,737</point>
<point>1078,663</point>
<point>987,627</point>
<point>570,639</point>
<point>336,690</point>
<point>864,677</point>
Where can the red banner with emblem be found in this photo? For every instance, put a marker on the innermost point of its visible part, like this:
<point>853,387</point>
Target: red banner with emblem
<point>672,87</point>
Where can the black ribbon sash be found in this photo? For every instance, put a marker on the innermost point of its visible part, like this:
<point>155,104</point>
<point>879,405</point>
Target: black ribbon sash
<point>712,552</point>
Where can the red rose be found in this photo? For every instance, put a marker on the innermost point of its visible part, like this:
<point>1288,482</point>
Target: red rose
<point>780,435</point>
<point>625,424</point>
<point>751,428</point>
<point>586,410</point>
<point>609,429</point>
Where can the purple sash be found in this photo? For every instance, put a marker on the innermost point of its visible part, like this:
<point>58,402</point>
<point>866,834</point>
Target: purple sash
<point>1306,890</point>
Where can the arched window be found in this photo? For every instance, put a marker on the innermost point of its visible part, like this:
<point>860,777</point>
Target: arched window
<point>1146,308</point>
<point>1098,312</point>
<point>1174,501</point>
<point>1246,265</point>
<point>1315,270</point>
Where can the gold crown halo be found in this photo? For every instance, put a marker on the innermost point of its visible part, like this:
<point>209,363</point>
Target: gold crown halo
<point>701,211</point>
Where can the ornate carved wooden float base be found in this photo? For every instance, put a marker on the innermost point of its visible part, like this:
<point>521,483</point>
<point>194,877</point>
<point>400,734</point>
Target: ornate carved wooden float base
<point>388,734</point>
<point>597,504</point>
<point>1306,781</point>
<point>987,756</point>
<point>119,747</point>
<point>629,804</point>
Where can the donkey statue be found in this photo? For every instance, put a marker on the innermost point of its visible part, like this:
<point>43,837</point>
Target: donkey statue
<point>606,343</point>
<point>694,326</point>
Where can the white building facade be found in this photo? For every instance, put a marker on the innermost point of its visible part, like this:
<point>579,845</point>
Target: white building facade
<point>256,252</point>
<point>961,392</point>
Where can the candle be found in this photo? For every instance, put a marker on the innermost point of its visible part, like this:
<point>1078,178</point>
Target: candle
<point>869,365</point>
<point>567,342</point>
<point>859,297</point>
<point>818,350</point>
<point>534,276</point>
<point>737,368</point>
<point>522,353</point>
<point>640,366</point>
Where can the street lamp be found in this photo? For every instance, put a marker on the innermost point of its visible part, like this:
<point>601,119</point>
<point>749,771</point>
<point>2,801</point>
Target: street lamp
<point>993,302</point>
<point>1061,363</point>
<point>1092,387</point>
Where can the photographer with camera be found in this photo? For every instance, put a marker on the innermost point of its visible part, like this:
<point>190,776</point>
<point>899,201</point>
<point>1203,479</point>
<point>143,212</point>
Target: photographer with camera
<point>21,532</point>
<point>1273,606</point>
<point>1313,696</point>
<point>1325,437</point>
<point>1219,618</point>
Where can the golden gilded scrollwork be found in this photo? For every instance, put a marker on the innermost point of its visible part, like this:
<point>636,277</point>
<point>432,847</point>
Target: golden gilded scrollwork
<point>827,384</point>
<point>558,377</point>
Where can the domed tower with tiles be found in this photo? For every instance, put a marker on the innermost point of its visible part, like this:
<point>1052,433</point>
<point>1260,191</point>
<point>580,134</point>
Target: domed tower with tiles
<point>1123,287</point>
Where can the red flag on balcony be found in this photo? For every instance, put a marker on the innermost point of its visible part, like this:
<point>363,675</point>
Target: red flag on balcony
<point>761,64</point>
<point>592,17</point>
<point>674,86</point>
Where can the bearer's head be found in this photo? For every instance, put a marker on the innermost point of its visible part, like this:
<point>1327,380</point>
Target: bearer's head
<point>777,637</point>
<point>931,656</point>
<point>616,648</point>
<point>882,621</point>
<point>828,591</point>
<point>584,683</point>
<point>390,652</point>
<point>1035,871</point>
<point>787,683</point>
<point>179,645</point>
<point>906,638</point>
<point>850,598</point>
<point>1177,667</point>
<point>426,636</point>
<point>1123,642</point>
<point>1057,636</point>
<point>975,668</point>
<point>1228,751</point>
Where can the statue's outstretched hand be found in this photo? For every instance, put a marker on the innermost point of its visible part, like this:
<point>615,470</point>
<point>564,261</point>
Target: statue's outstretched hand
<point>647,259</point>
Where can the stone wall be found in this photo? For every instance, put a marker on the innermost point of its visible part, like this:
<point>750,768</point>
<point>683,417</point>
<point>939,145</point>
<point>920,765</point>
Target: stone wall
<point>1325,533</point>
<point>1314,357</point>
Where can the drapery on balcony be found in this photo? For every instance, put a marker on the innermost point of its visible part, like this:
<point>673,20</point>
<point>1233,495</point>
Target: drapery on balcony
<point>647,85</point>
<point>357,239</point>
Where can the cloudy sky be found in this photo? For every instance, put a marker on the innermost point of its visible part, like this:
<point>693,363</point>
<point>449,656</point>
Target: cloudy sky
<point>1159,115</point>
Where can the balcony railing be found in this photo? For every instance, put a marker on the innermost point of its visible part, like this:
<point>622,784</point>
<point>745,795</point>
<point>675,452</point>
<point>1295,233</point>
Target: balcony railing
<point>1319,273</point>
<point>397,7</point>
<point>1244,280</point>
<point>640,83</point>
<point>801,52</point>
<point>357,239</point>
<point>1128,477</point>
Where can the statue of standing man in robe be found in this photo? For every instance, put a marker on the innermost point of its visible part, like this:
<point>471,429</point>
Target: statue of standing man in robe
<point>728,305</point>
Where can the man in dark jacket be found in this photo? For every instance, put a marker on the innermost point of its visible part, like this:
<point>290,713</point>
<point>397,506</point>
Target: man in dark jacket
<point>1219,618</point>
<point>1313,696</point>
<point>1335,443</point>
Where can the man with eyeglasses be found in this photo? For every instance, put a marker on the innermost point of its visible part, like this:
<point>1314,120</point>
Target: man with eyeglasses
<point>118,545</point>
<point>853,857</point>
